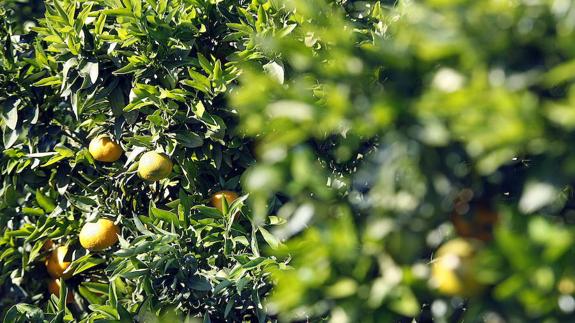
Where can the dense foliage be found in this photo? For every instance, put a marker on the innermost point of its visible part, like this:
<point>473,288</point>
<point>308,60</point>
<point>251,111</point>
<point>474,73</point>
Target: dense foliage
<point>362,136</point>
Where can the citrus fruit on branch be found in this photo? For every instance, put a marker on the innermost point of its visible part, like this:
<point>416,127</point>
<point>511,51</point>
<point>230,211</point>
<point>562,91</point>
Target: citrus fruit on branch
<point>154,166</point>
<point>54,288</point>
<point>104,149</point>
<point>55,263</point>
<point>99,235</point>
<point>217,199</point>
<point>452,270</point>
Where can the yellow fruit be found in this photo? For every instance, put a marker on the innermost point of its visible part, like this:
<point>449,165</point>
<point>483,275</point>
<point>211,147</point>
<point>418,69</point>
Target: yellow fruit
<point>452,270</point>
<point>54,288</point>
<point>105,149</point>
<point>217,199</point>
<point>55,263</point>
<point>99,235</point>
<point>154,166</point>
<point>566,286</point>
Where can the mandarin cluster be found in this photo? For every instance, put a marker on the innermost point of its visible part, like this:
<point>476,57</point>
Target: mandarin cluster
<point>103,233</point>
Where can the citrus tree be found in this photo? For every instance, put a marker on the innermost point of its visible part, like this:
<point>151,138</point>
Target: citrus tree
<point>267,160</point>
<point>117,139</point>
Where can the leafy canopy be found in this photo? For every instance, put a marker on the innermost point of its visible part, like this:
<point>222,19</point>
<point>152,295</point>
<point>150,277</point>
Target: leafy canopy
<point>381,129</point>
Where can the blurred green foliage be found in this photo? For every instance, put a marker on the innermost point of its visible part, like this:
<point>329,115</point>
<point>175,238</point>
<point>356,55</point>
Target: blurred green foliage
<point>400,108</point>
<point>22,14</point>
<point>380,129</point>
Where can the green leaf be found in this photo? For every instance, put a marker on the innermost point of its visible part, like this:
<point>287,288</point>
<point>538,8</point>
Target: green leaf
<point>137,105</point>
<point>208,211</point>
<point>269,238</point>
<point>253,263</point>
<point>91,297</point>
<point>164,215</point>
<point>54,160</point>
<point>85,264</point>
<point>122,12</point>
<point>100,23</point>
<point>217,72</point>
<point>33,211</point>
<point>199,109</point>
<point>24,313</point>
<point>559,74</point>
<point>10,137</point>
<point>199,283</point>
<point>10,112</point>
<point>286,30</point>
<point>276,71</point>
<point>48,81</point>
<point>35,251</point>
<point>204,63</point>
<point>109,312</point>
<point>45,202</point>
<point>207,318</point>
<point>91,69</point>
<point>240,27</point>
<point>64,151</point>
<point>161,6</point>
<point>137,7</point>
<point>189,139</point>
<point>404,302</point>
<point>128,69</point>
<point>135,273</point>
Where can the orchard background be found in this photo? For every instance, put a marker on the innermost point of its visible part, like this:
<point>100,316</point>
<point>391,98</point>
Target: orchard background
<point>361,137</point>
